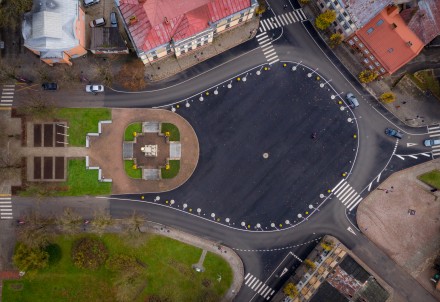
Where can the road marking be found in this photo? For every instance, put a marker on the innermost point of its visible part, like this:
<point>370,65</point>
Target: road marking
<point>258,286</point>
<point>378,177</point>
<point>401,157</point>
<point>410,144</point>
<point>369,187</point>
<point>425,154</point>
<point>285,270</point>
<point>351,231</point>
<point>412,156</point>
<point>355,204</point>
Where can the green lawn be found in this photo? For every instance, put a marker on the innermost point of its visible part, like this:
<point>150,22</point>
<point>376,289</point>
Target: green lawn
<point>82,121</point>
<point>431,178</point>
<point>79,182</point>
<point>135,127</point>
<point>168,274</point>
<point>133,173</point>
<point>172,171</point>
<point>427,81</point>
<point>173,130</point>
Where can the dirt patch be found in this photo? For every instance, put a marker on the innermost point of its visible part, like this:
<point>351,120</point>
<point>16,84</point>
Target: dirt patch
<point>405,223</point>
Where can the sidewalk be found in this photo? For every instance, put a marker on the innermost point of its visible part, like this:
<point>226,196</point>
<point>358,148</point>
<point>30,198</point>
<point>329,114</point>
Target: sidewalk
<point>410,105</point>
<point>170,66</point>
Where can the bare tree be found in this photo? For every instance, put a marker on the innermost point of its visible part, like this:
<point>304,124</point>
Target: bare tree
<point>70,222</point>
<point>100,222</point>
<point>37,107</point>
<point>36,230</point>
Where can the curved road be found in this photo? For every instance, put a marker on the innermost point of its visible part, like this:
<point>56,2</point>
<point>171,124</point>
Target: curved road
<point>376,157</point>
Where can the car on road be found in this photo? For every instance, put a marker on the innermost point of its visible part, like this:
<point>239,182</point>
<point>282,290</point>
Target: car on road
<point>88,3</point>
<point>352,100</point>
<point>94,88</point>
<point>49,86</point>
<point>431,142</point>
<point>97,22</point>
<point>113,19</point>
<point>393,133</point>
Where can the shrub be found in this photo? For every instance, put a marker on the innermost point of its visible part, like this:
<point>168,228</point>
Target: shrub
<point>367,76</point>
<point>290,290</point>
<point>327,245</point>
<point>262,6</point>
<point>388,97</point>
<point>304,1</point>
<point>335,40</point>
<point>309,264</point>
<point>27,258</point>
<point>89,253</point>
<point>324,20</point>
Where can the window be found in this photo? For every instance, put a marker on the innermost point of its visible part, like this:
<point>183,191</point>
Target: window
<point>361,45</point>
<point>382,70</point>
<point>379,22</point>
<point>377,64</point>
<point>366,51</point>
<point>154,57</point>
<point>356,38</point>
<point>351,22</point>
<point>241,15</point>
<point>190,48</point>
<point>345,14</point>
<point>227,26</point>
<point>335,24</point>
<point>182,52</point>
<point>229,20</point>
<point>350,42</point>
<point>340,18</point>
<point>393,26</point>
<point>345,26</point>
<point>372,57</point>
<point>366,61</point>
<point>370,30</point>
<point>322,5</point>
<point>199,44</point>
<point>371,67</point>
<point>390,50</point>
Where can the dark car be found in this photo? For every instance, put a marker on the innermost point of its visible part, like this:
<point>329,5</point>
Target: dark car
<point>50,86</point>
<point>113,19</point>
<point>393,133</point>
<point>88,3</point>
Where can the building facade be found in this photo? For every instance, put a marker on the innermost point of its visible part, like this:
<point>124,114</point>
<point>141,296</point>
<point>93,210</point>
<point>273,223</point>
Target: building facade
<point>55,30</point>
<point>161,28</point>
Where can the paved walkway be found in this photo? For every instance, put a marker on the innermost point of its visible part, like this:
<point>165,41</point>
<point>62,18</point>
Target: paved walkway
<point>106,151</point>
<point>412,241</point>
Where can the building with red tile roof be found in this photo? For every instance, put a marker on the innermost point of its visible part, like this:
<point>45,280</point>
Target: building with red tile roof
<point>158,28</point>
<point>424,20</point>
<point>386,42</point>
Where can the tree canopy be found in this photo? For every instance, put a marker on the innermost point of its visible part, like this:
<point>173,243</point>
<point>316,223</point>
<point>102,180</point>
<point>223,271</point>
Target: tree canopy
<point>324,20</point>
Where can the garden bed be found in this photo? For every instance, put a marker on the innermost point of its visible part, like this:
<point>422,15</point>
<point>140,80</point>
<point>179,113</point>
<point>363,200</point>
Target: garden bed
<point>131,129</point>
<point>174,133</point>
<point>174,168</point>
<point>131,171</point>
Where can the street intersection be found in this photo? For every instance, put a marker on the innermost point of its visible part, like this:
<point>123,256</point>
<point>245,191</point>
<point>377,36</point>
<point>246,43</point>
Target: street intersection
<point>263,185</point>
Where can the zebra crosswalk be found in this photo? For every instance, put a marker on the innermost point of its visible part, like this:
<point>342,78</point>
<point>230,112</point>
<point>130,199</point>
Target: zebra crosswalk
<point>282,20</point>
<point>267,48</point>
<point>5,207</point>
<point>347,195</point>
<point>7,95</point>
<point>258,286</point>
<point>434,133</point>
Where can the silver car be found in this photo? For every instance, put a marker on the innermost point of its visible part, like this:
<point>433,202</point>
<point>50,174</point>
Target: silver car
<point>431,142</point>
<point>352,100</point>
<point>94,88</point>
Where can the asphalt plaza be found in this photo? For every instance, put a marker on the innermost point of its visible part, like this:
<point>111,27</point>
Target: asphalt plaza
<point>276,113</point>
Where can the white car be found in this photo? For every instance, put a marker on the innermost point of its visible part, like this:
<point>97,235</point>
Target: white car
<point>431,142</point>
<point>95,88</point>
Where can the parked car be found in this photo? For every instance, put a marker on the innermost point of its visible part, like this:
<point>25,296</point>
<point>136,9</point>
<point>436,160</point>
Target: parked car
<point>113,19</point>
<point>49,86</point>
<point>97,22</point>
<point>393,133</point>
<point>95,88</point>
<point>431,142</point>
<point>352,100</point>
<point>88,3</point>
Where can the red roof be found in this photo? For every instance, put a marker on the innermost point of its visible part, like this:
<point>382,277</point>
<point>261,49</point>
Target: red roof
<point>159,21</point>
<point>425,20</point>
<point>390,40</point>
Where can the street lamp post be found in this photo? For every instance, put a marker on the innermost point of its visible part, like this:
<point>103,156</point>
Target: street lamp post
<point>296,66</point>
<point>335,96</point>
<point>323,84</point>
<point>311,207</point>
<point>311,73</point>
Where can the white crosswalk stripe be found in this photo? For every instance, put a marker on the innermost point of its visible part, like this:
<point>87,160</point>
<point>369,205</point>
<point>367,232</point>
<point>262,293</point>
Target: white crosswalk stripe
<point>282,20</point>
<point>347,195</point>
<point>267,48</point>
<point>434,133</point>
<point>5,208</point>
<point>7,95</point>
<point>258,286</point>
